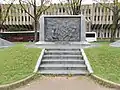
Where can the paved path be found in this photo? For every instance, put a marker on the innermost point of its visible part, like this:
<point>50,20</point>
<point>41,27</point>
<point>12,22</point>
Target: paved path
<point>63,83</point>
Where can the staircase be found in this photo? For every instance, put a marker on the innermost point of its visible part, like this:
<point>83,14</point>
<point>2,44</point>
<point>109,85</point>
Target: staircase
<point>63,61</point>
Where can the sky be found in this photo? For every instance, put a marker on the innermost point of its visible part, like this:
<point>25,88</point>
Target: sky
<point>84,1</point>
<point>56,1</point>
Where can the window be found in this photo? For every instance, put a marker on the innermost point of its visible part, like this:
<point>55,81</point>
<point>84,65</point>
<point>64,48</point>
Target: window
<point>99,9</point>
<point>108,18</point>
<point>118,34</point>
<point>29,18</point>
<point>98,18</point>
<point>11,18</point>
<point>101,18</point>
<point>108,34</point>
<point>86,11</point>
<point>63,9</point>
<point>15,19</point>
<point>25,18</point>
<point>104,34</point>
<point>19,18</point>
<point>89,11</point>
<point>60,10</point>
<point>89,18</point>
<point>94,18</point>
<point>78,8</point>
<point>112,17</point>
<point>102,9</point>
<point>95,9</point>
<point>0,9</point>
<point>98,34</point>
<point>21,11</point>
<point>22,18</point>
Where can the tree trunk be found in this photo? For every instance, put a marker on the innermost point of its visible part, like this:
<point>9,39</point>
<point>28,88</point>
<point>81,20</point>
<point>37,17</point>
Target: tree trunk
<point>0,17</point>
<point>115,22</point>
<point>112,39</point>
<point>114,29</point>
<point>35,29</point>
<point>35,23</point>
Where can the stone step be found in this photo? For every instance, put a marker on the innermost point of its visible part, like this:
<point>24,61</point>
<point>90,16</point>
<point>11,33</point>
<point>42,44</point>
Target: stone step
<point>63,56</point>
<point>59,59</point>
<point>64,72</point>
<point>62,67</point>
<point>62,53</point>
<point>62,49</point>
<point>56,51</point>
<point>62,61</point>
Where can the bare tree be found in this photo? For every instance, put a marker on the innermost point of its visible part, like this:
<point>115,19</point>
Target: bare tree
<point>37,11</point>
<point>73,6</point>
<point>4,12</point>
<point>115,8</point>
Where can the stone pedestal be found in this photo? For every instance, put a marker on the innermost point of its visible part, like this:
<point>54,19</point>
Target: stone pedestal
<point>62,31</point>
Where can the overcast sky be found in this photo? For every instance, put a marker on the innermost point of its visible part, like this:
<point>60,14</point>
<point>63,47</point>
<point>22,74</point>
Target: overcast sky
<point>57,1</point>
<point>84,1</point>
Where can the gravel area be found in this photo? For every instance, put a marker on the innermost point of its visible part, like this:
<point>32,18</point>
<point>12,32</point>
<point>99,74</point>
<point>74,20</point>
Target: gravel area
<point>64,83</point>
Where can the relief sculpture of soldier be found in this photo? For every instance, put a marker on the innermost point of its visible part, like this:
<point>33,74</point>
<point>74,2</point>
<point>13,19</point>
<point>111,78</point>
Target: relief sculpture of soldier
<point>55,35</point>
<point>62,29</point>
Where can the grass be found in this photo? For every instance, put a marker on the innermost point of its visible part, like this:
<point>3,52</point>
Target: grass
<point>17,62</point>
<point>105,61</point>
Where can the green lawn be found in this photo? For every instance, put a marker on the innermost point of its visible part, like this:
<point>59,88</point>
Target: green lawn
<point>17,62</point>
<point>105,61</point>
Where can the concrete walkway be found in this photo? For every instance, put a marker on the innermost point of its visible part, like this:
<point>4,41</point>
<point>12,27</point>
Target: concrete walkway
<point>63,83</point>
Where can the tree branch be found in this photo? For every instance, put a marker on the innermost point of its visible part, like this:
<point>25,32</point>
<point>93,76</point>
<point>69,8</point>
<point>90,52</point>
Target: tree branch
<point>28,2</point>
<point>40,12</point>
<point>26,10</point>
<point>69,9</point>
<point>104,5</point>
<point>8,9</point>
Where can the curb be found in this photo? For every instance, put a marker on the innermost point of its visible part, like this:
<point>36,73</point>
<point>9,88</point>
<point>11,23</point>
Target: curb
<point>104,82</point>
<point>19,83</point>
<point>87,62</point>
<point>39,61</point>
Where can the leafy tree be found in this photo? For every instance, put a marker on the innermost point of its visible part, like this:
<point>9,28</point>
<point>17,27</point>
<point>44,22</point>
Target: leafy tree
<point>37,11</point>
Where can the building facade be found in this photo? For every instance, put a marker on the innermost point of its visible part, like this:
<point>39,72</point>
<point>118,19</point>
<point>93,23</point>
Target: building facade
<point>98,17</point>
<point>17,17</point>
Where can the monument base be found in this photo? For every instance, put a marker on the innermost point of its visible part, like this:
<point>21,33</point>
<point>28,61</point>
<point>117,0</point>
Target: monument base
<point>63,45</point>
